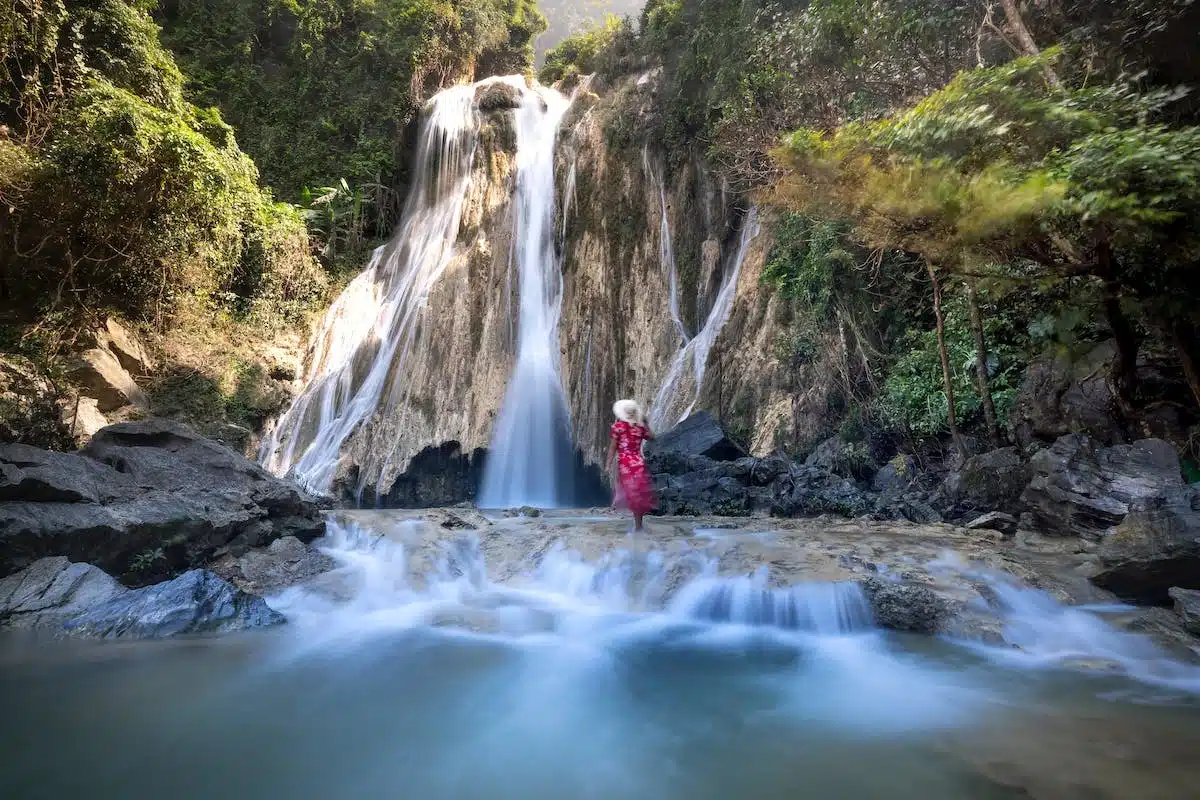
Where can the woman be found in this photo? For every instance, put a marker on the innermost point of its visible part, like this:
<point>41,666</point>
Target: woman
<point>633,487</point>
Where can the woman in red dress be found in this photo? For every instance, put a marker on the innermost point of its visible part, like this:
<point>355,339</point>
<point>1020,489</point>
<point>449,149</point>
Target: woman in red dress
<point>633,488</point>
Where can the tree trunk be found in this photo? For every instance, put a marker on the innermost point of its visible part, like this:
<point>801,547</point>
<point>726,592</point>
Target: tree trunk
<point>947,379</point>
<point>1123,373</point>
<point>1025,39</point>
<point>981,367</point>
<point>1184,337</point>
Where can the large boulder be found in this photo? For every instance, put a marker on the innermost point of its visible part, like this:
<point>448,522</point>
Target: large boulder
<point>906,607</point>
<point>82,601</point>
<point>808,491</point>
<point>144,501</point>
<point>82,418</point>
<point>195,602</point>
<point>991,481</point>
<point>1081,488</point>
<point>102,377</point>
<point>1066,392</point>
<point>287,562</point>
<point>127,348</point>
<point>698,435</point>
<point>1155,548</point>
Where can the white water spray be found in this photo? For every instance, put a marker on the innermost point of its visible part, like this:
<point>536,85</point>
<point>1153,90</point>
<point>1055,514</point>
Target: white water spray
<point>369,331</point>
<point>531,444</point>
<point>680,389</point>
<point>666,248</point>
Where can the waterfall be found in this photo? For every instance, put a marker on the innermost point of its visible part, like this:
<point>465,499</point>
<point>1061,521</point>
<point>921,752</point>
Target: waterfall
<point>681,387</point>
<point>666,250</point>
<point>532,451</point>
<point>375,320</point>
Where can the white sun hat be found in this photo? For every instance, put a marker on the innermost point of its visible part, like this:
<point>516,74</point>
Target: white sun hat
<point>628,411</point>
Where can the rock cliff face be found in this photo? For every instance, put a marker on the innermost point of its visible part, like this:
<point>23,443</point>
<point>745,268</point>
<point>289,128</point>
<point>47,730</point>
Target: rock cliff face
<point>660,286</point>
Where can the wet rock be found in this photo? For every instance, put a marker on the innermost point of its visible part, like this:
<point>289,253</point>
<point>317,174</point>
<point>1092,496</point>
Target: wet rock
<point>144,501</point>
<point>995,521</point>
<point>906,607</point>
<point>1154,549</point>
<point>913,507</point>
<point>103,377</point>
<point>195,602</point>
<point>842,458</point>
<point>1080,488</point>
<point>1187,606</point>
<point>497,96</point>
<point>52,590</point>
<point>286,562</point>
<point>992,481</point>
<point>698,435</point>
<point>436,476</point>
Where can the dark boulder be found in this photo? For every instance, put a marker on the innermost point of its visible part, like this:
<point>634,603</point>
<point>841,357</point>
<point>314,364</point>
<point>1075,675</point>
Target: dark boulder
<point>708,491</point>
<point>286,562</point>
<point>906,607</point>
<point>1081,488</point>
<point>808,491</point>
<point>144,501</point>
<point>1154,549</point>
<point>497,96</point>
<point>992,481</point>
<point>698,435</point>
<point>846,459</point>
<point>1066,393</point>
<point>895,477</point>
<point>1187,606</point>
<point>994,521</point>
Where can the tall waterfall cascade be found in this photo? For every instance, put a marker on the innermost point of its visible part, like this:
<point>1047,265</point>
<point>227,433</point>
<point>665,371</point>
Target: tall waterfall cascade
<point>531,449</point>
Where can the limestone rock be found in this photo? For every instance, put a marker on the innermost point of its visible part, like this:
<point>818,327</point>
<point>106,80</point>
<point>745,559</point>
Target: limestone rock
<point>1067,393</point>
<point>195,602</point>
<point>810,491</point>
<point>103,377</point>
<point>286,562</point>
<point>123,344</point>
<point>144,501</point>
<point>51,590</point>
<point>992,481</point>
<point>1154,549</point>
<point>698,435</point>
<point>82,418</point>
<point>1080,488</point>
<point>1187,606</point>
<point>497,96</point>
<point>994,521</point>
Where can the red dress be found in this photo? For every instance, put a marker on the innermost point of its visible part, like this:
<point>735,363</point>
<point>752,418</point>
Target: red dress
<point>634,489</point>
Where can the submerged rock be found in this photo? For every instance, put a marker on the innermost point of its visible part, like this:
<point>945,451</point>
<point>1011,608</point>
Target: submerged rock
<point>1155,548</point>
<point>906,607</point>
<point>1080,488</point>
<point>144,501</point>
<point>83,601</point>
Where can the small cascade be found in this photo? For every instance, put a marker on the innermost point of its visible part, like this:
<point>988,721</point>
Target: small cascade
<point>368,332</point>
<point>532,454</point>
<point>818,607</point>
<point>666,247</point>
<point>1039,631</point>
<point>680,390</point>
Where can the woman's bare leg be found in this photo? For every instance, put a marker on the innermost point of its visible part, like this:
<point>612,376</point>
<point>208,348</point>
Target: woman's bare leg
<point>637,522</point>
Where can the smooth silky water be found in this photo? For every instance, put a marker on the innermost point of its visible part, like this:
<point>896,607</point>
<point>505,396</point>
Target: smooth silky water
<point>421,671</point>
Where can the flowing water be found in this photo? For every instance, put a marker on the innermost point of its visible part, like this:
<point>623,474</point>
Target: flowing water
<point>680,390</point>
<point>469,667</point>
<point>531,448</point>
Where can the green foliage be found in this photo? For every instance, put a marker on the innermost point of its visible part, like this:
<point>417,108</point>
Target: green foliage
<point>322,90</point>
<point>125,197</point>
<point>578,54</point>
<point>912,398</point>
<point>810,263</point>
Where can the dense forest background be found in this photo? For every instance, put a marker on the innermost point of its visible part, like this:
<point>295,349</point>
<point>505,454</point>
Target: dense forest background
<point>975,203</point>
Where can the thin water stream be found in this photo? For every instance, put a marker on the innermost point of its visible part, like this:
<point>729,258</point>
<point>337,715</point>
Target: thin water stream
<point>422,669</point>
